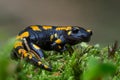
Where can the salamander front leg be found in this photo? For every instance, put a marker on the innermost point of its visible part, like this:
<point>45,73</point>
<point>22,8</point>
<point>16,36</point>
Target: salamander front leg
<point>58,44</point>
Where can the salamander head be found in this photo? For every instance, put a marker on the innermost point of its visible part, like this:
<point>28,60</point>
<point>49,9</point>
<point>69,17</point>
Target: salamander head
<point>78,34</point>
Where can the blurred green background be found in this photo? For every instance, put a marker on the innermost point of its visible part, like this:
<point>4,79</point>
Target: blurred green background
<point>101,16</point>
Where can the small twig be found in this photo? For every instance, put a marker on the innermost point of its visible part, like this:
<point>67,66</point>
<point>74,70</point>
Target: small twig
<point>113,49</point>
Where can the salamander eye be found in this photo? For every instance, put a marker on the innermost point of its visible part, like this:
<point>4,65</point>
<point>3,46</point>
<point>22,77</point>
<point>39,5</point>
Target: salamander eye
<point>75,30</point>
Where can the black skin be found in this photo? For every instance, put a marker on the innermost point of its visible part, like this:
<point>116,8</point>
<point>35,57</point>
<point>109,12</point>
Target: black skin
<point>49,38</point>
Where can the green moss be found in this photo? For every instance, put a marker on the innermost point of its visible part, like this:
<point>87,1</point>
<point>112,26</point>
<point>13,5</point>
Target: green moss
<point>86,63</point>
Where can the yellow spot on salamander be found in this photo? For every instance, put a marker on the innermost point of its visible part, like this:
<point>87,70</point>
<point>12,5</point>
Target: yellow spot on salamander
<point>22,51</point>
<point>39,63</point>
<point>19,51</point>
<point>35,46</point>
<point>24,34</point>
<point>47,27</point>
<point>35,28</point>
<point>59,47</point>
<point>30,56</point>
<point>88,30</point>
<point>69,32</point>
<point>17,44</point>
<point>64,28</point>
<point>56,36</point>
<point>51,37</point>
<point>25,55</point>
<point>45,66</point>
<point>58,41</point>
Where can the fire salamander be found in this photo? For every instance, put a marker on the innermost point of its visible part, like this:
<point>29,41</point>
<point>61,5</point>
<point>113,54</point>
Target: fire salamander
<point>31,41</point>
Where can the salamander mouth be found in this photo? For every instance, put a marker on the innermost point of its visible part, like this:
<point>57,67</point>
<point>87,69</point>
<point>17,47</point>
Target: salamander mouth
<point>73,40</point>
<point>83,38</point>
<point>87,40</point>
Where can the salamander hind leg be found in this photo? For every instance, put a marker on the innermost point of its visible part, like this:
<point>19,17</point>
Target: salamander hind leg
<point>19,51</point>
<point>37,63</point>
<point>36,55</point>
